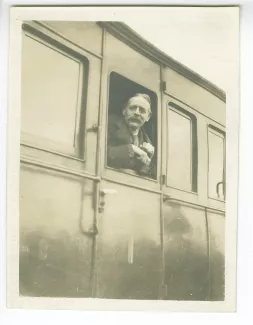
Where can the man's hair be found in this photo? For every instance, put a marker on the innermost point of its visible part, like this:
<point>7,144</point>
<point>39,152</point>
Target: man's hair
<point>145,96</point>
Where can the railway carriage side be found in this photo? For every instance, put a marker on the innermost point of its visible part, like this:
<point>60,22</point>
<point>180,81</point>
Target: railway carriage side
<point>193,190</point>
<point>87,229</point>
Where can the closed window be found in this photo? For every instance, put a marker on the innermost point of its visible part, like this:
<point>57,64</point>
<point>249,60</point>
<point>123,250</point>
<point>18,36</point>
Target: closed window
<point>182,149</point>
<point>53,83</point>
<point>216,163</point>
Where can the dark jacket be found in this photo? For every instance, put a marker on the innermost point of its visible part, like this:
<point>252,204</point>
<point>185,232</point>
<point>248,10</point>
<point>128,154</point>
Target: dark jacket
<point>119,150</point>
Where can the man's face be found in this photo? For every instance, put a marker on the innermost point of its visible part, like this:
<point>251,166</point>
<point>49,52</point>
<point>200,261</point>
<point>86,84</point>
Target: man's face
<point>137,112</point>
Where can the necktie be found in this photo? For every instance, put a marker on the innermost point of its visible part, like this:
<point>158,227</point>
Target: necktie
<point>135,139</point>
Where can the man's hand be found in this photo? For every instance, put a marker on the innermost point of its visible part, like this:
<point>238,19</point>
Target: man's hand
<point>141,155</point>
<point>148,148</point>
<point>145,160</point>
<point>137,151</point>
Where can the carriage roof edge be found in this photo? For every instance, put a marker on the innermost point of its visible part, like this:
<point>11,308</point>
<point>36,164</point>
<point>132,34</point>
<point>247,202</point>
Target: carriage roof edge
<point>133,39</point>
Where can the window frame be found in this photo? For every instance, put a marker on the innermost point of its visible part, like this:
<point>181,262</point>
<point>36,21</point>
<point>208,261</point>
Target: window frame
<point>138,179</point>
<point>78,151</point>
<point>222,134</point>
<point>181,110</point>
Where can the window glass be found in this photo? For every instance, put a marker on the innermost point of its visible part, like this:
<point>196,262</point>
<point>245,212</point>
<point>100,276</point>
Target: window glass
<point>182,153</point>
<point>51,92</point>
<point>179,160</point>
<point>216,145</point>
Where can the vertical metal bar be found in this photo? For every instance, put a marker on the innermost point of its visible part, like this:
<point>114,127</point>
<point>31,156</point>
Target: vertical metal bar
<point>208,297</point>
<point>131,249</point>
<point>224,168</point>
<point>162,293</point>
<point>93,278</point>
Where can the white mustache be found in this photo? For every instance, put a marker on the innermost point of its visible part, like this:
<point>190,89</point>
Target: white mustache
<point>135,119</point>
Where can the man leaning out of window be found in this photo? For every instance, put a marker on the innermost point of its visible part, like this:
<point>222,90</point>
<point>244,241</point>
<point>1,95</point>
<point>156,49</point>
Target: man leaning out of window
<point>129,147</point>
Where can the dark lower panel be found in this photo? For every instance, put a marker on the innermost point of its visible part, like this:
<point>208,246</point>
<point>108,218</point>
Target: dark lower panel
<point>129,249</point>
<point>216,227</point>
<point>186,253</point>
<point>55,256</point>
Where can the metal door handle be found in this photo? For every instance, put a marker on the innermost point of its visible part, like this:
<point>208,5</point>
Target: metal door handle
<point>217,188</point>
<point>103,193</point>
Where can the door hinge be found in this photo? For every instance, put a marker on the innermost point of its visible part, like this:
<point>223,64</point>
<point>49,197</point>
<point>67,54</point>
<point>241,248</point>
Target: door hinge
<point>163,85</point>
<point>162,179</point>
<point>93,128</point>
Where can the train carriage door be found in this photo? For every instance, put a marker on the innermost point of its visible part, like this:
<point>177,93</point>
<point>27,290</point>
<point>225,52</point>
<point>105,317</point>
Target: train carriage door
<point>129,243</point>
<point>60,100</point>
<point>216,180</point>
<point>184,218</point>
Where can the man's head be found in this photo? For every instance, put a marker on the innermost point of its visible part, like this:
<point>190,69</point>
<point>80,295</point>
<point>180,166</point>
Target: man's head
<point>137,111</point>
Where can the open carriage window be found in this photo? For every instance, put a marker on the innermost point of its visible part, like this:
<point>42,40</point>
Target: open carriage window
<point>132,127</point>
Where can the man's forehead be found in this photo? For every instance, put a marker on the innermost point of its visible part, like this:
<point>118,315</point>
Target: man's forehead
<point>139,100</point>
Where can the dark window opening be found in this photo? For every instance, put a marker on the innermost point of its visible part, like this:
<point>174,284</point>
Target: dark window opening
<point>120,91</point>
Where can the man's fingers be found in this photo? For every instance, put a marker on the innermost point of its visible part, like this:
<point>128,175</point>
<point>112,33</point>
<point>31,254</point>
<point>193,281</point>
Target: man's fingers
<point>144,158</point>
<point>138,151</point>
<point>148,146</point>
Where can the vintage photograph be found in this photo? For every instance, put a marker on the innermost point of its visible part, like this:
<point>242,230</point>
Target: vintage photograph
<point>122,175</point>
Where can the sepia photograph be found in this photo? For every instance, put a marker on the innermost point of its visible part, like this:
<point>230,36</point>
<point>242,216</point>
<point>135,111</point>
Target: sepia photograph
<point>122,159</point>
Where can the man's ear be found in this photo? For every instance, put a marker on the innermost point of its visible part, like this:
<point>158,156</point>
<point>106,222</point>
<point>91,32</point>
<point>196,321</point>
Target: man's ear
<point>148,118</point>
